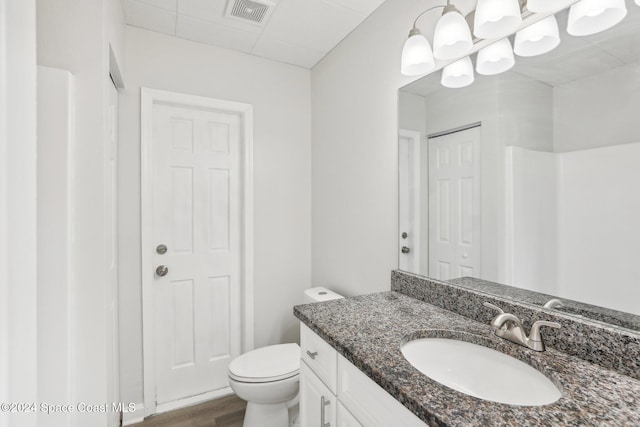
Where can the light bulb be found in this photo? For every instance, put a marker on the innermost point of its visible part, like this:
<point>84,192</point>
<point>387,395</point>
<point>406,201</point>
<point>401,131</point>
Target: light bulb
<point>588,17</point>
<point>452,37</point>
<point>417,57</point>
<point>496,18</point>
<point>496,58</point>
<point>538,38</point>
<point>458,74</point>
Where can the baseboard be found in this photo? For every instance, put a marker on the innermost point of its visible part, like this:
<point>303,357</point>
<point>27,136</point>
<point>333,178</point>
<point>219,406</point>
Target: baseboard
<point>133,417</point>
<point>193,400</point>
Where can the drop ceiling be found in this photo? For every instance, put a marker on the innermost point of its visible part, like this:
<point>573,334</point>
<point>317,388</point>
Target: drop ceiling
<point>297,32</point>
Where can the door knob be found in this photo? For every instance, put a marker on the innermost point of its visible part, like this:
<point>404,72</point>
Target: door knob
<point>405,250</point>
<point>162,270</point>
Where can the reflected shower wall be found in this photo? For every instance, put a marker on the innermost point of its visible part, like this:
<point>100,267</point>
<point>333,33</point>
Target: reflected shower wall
<point>572,224</point>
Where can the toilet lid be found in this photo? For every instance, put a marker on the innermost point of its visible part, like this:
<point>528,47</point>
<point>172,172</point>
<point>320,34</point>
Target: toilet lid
<point>266,364</point>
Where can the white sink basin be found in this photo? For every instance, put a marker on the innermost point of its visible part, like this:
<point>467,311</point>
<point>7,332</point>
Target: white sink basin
<point>480,372</point>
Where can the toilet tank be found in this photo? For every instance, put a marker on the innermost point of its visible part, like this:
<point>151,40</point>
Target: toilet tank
<point>319,294</point>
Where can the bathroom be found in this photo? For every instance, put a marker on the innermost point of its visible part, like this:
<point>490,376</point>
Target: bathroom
<point>324,193</point>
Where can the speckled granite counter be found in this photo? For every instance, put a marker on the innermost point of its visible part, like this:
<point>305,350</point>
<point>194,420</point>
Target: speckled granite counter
<point>369,330</point>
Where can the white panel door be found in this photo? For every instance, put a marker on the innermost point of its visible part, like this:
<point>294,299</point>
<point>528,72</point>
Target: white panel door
<point>196,215</point>
<point>409,201</point>
<point>454,205</point>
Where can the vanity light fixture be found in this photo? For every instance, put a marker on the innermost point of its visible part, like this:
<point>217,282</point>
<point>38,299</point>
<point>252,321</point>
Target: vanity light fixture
<point>458,74</point>
<point>539,38</point>
<point>496,58</point>
<point>593,16</point>
<point>497,18</point>
<point>452,37</point>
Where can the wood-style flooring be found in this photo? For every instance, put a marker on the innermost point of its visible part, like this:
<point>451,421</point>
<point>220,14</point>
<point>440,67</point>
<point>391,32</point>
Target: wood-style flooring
<point>224,412</point>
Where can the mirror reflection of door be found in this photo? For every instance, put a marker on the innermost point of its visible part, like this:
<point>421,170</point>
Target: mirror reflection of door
<point>454,204</point>
<point>409,200</point>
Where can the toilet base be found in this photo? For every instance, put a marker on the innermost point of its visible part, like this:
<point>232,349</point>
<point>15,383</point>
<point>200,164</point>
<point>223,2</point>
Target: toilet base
<point>266,415</point>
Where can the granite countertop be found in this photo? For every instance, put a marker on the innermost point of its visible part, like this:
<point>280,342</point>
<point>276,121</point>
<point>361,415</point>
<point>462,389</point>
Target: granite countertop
<point>369,330</point>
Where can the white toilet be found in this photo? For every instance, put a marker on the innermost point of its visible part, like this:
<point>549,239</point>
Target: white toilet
<point>268,378</point>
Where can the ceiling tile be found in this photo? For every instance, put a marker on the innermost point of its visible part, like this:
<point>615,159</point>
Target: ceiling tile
<point>149,17</point>
<point>215,34</point>
<point>288,53</point>
<point>213,11</point>
<point>312,23</point>
<point>171,5</point>
<point>364,7</point>
<point>208,10</point>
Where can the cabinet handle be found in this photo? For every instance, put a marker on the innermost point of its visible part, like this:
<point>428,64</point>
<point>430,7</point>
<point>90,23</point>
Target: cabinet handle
<point>312,355</point>
<point>323,402</point>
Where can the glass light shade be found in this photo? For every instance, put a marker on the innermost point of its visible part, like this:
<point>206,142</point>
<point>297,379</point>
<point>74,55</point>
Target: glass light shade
<point>495,59</point>
<point>458,74</point>
<point>496,18</point>
<point>417,57</point>
<point>542,6</point>
<point>638,2</point>
<point>539,38</point>
<point>452,37</point>
<point>593,16</point>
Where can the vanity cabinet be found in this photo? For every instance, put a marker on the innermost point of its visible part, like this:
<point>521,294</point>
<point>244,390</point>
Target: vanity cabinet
<point>335,392</point>
<point>318,405</point>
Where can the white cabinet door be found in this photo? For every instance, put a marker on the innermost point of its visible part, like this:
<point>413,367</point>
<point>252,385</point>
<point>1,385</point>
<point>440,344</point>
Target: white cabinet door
<point>368,402</point>
<point>344,417</point>
<point>317,403</point>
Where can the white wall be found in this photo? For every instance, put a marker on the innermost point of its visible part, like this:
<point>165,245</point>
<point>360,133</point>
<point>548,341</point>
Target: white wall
<point>354,153</point>
<point>18,259</point>
<point>525,113</point>
<point>280,96</point>
<point>75,36</point>
<point>55,145</point>
<point>598,111</point>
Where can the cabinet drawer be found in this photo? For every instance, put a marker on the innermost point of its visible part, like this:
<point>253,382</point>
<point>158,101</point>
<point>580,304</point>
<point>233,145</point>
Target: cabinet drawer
<point>320,357</point>
<point>368,402</point>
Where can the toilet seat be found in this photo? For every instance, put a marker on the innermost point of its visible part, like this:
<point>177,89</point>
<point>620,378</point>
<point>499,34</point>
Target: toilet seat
<point>266,364</point>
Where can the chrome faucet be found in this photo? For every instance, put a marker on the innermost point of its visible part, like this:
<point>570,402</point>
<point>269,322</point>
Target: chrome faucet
<point>554,303</point>
<point>509,327</point>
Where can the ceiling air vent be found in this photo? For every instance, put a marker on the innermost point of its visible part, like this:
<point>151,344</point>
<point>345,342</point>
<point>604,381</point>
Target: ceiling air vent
<point>248,10</point>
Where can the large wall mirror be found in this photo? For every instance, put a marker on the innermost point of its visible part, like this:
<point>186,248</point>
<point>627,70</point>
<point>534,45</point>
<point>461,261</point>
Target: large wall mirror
<point>531,178</point>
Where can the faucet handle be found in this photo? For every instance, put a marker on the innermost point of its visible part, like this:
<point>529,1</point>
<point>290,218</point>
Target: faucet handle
<point>535,329</point>
<point>493,307</point>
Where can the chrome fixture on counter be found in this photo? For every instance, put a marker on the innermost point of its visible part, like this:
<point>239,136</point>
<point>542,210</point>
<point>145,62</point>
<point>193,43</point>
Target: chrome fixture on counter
<point>554,303</point>
<point>509,327</point>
